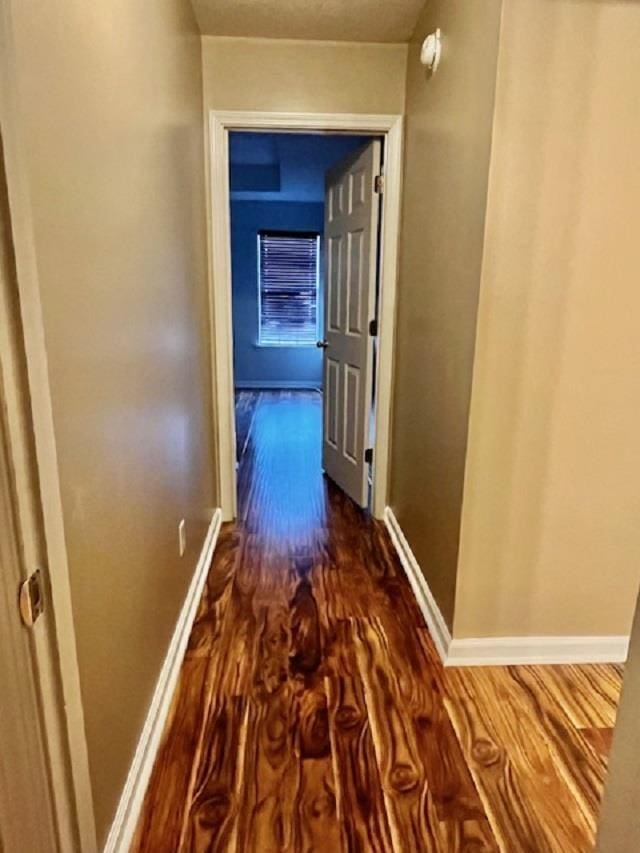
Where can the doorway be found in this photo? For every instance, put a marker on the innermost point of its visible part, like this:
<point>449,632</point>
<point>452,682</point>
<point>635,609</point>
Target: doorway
<point>305,214</point>
<point>222,125</point>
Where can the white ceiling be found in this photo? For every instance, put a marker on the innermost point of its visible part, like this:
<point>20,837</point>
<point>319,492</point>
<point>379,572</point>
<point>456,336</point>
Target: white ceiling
<point>341,20</point>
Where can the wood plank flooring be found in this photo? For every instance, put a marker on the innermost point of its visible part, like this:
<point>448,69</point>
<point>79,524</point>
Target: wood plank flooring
<point>312,713</point>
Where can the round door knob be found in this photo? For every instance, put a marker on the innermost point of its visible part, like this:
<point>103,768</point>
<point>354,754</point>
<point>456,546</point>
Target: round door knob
<point>322,344</point>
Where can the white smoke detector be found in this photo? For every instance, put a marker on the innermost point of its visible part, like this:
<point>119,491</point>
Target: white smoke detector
<point>431,51</point>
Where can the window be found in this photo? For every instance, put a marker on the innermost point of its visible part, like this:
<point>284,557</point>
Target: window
<point>288,288</point>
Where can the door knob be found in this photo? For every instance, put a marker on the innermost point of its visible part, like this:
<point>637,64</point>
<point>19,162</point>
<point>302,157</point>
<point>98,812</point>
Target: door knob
<point>322,344</point>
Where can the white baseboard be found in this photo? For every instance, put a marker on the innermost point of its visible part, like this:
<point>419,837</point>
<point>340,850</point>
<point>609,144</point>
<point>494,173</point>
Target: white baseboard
<point>509,651</point>
<point>276,384</point>
<point>126,818</point>
<point>426,602</point>
<point>498,651</point>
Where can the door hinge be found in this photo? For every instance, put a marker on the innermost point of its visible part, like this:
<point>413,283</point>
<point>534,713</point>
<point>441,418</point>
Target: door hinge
<point>373,328</point>
<point>378,184</point>
<point>368,455</point>
<point>31,598</point>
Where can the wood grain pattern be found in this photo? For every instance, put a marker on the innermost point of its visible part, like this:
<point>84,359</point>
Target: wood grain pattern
<point>171,787</point>
<point>361,807</point>
<point>583,770</point>
<point>313,714</point>
<point>513,764</point>
<point>599,739</point>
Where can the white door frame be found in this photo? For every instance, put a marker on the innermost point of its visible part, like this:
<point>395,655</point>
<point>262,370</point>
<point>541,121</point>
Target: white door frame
<point>220,294</point>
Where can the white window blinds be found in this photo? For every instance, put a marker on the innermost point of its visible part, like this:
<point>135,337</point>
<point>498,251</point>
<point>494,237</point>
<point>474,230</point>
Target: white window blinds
<point>288,288</point>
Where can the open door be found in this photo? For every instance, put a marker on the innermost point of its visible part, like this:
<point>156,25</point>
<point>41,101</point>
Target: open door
<point>351,233</point>
<point>27,816</point>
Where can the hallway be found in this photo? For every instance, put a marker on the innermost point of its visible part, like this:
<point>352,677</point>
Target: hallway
<point>312,712</point>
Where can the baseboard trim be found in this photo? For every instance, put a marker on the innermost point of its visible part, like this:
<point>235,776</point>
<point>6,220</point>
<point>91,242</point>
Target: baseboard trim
<point>426,602</point>
<point>276,385</point>
<point>126,818</point>
<point>497,651</point>
<point>510,651</point>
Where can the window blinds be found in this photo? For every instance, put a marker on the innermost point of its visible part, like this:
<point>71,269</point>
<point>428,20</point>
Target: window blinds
<point>288,286</point>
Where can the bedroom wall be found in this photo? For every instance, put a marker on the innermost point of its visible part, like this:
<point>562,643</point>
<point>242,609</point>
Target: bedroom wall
<point>267,366</point>
<point>303,76</point>
<point>110,109</point>
<point>550,536</point>
<point>291,199</point>
<point>448,136</point>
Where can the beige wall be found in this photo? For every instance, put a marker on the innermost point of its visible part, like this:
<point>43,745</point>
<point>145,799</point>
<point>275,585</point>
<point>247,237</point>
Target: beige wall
<point>303,76</point>
<point>619,827</point>
<point>551,541</point>
<point>112,123</point>
<point>448,135</point>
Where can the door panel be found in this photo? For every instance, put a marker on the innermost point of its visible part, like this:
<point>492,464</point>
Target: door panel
<point>354,283</point>
<point>332,374</point>
<point>27,820</point>
<point>351,233</point>
<point>351,396</point>
<point>26,815</point>
<point>334,276</point>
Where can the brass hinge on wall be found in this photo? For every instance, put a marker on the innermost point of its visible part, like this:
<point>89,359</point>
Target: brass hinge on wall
<point>368,455</point>
<point>378,184</point>
<point>31,598</point>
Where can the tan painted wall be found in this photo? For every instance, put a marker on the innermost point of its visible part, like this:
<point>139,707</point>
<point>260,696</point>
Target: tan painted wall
<point>112,123</point>
<point>619,827</point>
<point>449,118</point>
<point>551,541</point>
<point>303,76</point>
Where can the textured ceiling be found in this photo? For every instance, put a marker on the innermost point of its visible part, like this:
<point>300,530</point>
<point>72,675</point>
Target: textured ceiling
<point>342,20</point>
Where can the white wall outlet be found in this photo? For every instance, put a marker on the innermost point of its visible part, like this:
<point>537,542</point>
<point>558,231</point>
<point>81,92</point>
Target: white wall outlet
<point>182,537</point>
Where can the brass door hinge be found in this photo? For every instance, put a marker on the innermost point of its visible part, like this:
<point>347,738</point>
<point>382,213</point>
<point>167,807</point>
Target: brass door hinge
<point>378,184</point>
<point>31,598</point>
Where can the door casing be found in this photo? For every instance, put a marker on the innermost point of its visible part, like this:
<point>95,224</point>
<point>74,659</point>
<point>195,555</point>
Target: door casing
<point>220,124</point>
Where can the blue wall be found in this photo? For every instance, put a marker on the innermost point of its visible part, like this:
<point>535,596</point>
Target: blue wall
<point>254,364</point>
<point>277,182</point>
<point>284,166</point>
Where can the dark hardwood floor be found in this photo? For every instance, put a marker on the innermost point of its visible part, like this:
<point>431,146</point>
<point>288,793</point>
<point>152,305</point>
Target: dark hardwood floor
<point>312,713</point>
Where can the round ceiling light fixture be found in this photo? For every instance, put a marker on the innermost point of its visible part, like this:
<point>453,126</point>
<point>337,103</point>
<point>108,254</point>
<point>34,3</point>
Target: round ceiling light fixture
<point>431,51</point>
